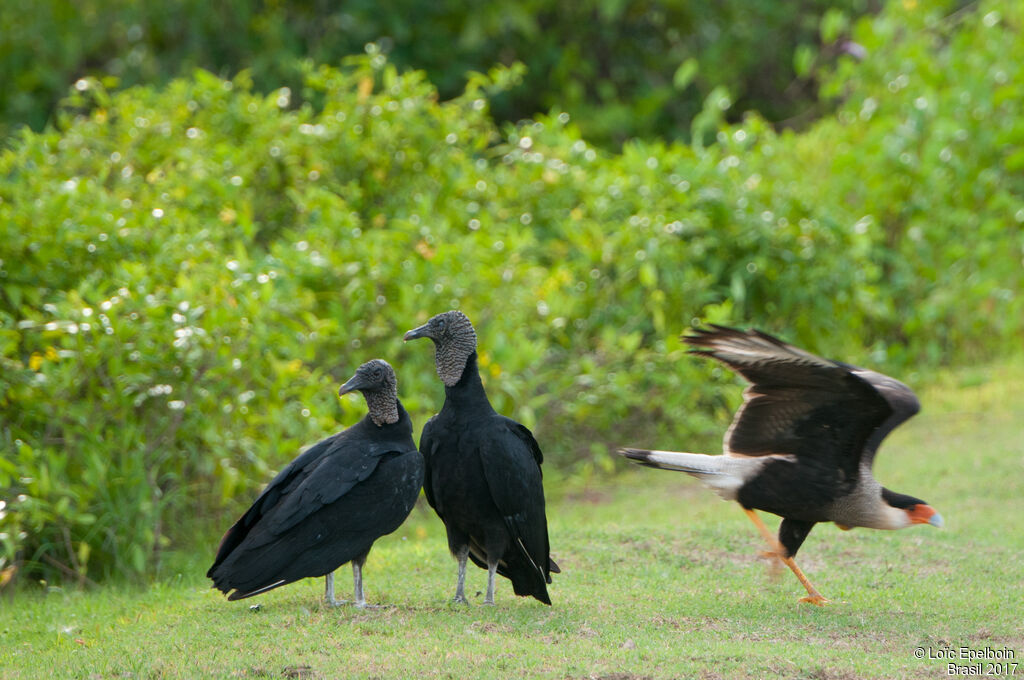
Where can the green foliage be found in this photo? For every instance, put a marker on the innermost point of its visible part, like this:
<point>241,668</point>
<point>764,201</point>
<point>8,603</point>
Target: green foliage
<point>925,156</point>
<point>622,68</point>
<point>188,272</point>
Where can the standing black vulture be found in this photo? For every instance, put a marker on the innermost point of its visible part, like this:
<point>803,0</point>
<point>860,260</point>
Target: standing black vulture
<point>330,504</point>
<point>483,472</point>
<point>802,444</point>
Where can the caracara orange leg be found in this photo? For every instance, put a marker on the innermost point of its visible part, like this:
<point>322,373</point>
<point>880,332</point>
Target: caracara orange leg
<point>813,596</point>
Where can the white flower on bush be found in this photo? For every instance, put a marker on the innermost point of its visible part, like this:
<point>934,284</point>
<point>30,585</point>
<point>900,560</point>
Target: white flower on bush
<point>183,334</point>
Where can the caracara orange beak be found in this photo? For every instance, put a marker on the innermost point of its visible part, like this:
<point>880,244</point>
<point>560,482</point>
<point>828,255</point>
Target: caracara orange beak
<point>925,514</point>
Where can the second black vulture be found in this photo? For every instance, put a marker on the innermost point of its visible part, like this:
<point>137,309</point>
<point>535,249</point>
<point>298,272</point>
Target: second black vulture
<point>483,475</point>
<point>802,444</point>
<point>329,505</point>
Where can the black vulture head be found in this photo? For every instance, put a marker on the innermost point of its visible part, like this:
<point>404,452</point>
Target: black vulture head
<point>454,342</point>
<point>376,380</point>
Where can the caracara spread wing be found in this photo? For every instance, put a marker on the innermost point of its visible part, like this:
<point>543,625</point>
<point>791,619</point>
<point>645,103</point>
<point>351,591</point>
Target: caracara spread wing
<point>803,405</point>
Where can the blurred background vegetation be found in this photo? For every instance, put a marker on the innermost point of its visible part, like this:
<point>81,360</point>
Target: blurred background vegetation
<point>621,68</point>
<point>190,266</point>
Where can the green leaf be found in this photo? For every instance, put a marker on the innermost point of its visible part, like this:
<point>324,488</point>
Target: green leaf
<point>648,275</point>
<point>1014,161</point>
<point>685,74</point>
<point>833,25</point>
<point>803,60</point>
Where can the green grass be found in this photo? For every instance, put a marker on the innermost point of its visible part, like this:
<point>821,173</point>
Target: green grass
<point>660,579</point>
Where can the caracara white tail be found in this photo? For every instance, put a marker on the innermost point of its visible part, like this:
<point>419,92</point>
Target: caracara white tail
<point>724,474</point>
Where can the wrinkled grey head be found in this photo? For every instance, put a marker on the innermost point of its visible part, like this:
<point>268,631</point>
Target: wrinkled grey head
<point>454,341</point>
<point>376,380</point>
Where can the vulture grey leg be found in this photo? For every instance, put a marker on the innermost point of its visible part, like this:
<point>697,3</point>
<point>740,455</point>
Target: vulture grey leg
<point>357,582</point>
<point>492,568</point>
<point>460,584</point>
<point>329,591</point>
<point>357,579</point>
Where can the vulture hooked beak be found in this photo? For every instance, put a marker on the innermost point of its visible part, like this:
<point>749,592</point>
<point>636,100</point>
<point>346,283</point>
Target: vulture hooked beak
<point>356,382</point>
<point>421,332</point>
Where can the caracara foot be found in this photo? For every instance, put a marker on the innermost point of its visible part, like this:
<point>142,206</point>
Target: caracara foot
<point>460,599</point>
<point>331,602</point>
<point>816,598</point>
<point>367,605</point>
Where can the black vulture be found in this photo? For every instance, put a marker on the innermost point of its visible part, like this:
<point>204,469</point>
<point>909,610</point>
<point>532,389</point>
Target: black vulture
<point>802,444</point>
<point>330,504</point>
<point>483,473</point>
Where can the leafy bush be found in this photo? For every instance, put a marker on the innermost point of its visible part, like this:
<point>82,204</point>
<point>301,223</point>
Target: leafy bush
<point>926,155</point>
<point>189,272</point>
<point>637,67</point>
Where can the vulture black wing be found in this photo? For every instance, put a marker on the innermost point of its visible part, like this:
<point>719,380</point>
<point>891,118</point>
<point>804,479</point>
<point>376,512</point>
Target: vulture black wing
<point>511,465</point>
<point>327,507</point>
<point>429,441</point>
<point>316,478</point>
<point>292,476</point>
<point>333,477</point>
<point>801,404</point>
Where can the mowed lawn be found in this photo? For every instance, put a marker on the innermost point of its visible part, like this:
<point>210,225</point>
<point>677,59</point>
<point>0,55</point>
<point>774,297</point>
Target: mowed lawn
<point>660,579</point>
